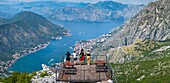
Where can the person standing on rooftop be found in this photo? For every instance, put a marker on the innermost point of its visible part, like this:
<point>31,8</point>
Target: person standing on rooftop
<point>75,57</point>
<point>81,56</point>
<point>68,56</point>
<point>88,57</point>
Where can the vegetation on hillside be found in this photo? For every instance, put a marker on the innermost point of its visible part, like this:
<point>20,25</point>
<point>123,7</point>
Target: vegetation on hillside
<point>43,74</point>
<point>150,67</point>
<point>18,78</point>
<point>144,50</point>
<point>149,71</point>
<point>24,31</point>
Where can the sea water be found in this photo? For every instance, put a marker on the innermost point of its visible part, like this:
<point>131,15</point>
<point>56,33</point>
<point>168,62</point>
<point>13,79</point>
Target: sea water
<point>57,48</point>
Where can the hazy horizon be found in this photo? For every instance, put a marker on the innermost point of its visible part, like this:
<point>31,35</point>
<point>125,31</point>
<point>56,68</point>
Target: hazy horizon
<point>86,1</point>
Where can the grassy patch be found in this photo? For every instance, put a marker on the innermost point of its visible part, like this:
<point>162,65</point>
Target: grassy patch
<point>153,71</point>
<point>145,48</point>
<point>153,67</point>
<point>139,47</point>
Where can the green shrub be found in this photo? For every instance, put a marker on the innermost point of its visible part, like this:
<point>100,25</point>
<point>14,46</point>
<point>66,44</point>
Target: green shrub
<point>17,78</point>
<point>43,74</point>
<point>32,74</point>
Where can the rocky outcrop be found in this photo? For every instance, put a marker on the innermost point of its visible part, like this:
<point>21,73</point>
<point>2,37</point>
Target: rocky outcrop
<point>25,30</point>
<point>44,76</point>
<point>152,23</point>
<point>129,12</point>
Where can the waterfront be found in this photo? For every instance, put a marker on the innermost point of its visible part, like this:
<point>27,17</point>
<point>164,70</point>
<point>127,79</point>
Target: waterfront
<point>79,31</point>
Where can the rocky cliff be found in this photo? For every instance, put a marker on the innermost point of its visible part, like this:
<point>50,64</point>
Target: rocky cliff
<point>129,12</point>
<point>25,30</point>
<point>152,23</point>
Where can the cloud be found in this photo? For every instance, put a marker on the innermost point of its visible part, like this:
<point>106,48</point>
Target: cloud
<point>88,1</point>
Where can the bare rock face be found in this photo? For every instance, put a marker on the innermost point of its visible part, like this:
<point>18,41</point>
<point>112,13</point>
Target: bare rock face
<point>152,23</point>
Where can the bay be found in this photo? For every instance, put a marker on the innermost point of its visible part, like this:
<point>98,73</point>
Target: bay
<point>79,31</point>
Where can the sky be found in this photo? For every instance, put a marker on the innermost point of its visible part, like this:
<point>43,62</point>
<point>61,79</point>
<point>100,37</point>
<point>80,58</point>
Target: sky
<point>87,1</point>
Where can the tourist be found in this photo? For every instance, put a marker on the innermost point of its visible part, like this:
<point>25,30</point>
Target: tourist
<point>78,58</point>
<point>68,56</point>
<point>75,57</point>
<point>88,57</point>
<point>81,56</point>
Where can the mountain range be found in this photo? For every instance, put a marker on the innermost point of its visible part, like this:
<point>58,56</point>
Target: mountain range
<point>107,11</point>
<point>25,30</point>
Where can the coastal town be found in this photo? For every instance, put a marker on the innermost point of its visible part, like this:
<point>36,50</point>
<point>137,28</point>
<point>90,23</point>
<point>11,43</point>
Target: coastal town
<point>87,44</point>
<point>81,44</point>
<point>5,65</point>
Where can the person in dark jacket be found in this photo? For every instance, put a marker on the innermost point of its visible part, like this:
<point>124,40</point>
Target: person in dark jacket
<point>68,56</point>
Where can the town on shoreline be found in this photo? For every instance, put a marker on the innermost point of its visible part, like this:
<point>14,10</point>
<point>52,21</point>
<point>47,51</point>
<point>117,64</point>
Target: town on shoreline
<point>4,66</point>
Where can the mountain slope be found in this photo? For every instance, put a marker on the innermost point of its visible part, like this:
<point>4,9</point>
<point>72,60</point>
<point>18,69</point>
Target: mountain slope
<point>156,71</point>
<point>151,23</point>
<point>25,30</point>
<point>107,11</point>
<point>129,11</point>
<point>110,5</point>
<point>151,66</point>
<point>82,14</point>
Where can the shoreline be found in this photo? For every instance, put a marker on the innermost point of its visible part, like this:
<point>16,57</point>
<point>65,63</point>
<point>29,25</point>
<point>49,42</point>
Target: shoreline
<point>88,44</point>
<point>32,50</point>
<point>17,56</point>
<point>4,70</point>
<point>4,66</point>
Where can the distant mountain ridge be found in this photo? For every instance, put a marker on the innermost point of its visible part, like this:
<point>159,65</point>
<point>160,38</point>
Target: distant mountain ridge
<point>106,11</point>
<point>25,30</point>
<point>44,8</point>
<point>110,5</point>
